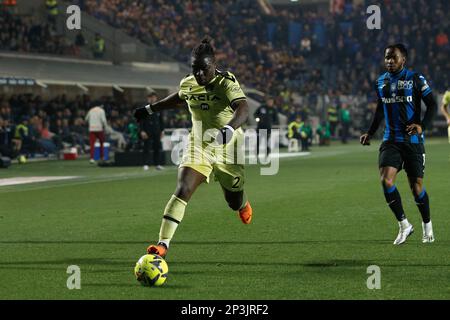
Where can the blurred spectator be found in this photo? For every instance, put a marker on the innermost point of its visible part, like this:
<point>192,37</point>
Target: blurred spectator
<point>333,119</point>
<point>133,133</point>
<point>99,46</point>
<point>266,115</point>
<point>21,133</point>
<point>345,120</point>
<point>306,135</point>
<point>77,133</point>
<point>6,142</point>
<point>96,119</point>
<point>47,140</point>
<point>80,41</point>
<point>52,11</point>
<point>324,133</point>
<point>151,133</point>
<point>293,133</point>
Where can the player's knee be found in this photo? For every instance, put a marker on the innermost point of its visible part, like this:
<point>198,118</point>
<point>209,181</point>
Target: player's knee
<point>184,191</point>
<point>416,189</point>
<point>387,182</point>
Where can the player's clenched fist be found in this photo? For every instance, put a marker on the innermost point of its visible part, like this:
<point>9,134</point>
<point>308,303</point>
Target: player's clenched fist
<point>142,113</point>
<point>365,139</point>
<point>224,135</point>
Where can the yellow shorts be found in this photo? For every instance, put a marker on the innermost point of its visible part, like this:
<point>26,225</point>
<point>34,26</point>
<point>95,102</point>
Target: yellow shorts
<point>229,173</point>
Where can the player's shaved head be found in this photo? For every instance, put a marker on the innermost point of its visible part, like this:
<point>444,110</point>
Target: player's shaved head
<point>400,47</point>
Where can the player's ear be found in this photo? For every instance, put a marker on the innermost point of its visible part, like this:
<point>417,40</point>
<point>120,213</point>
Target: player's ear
<point>403,59</point>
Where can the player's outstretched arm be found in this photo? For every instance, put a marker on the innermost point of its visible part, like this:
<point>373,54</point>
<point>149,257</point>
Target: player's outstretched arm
<point>376,120</point>
<point>240,116</point>
<point>172,101</point>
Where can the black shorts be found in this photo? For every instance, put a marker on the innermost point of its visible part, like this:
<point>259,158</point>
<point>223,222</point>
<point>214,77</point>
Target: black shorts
<point>410,156</point>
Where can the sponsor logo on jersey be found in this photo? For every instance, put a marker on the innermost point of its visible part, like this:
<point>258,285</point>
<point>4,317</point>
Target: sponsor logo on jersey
<point>396,99</point>
<point>404,84</point>
<point>202,97</point>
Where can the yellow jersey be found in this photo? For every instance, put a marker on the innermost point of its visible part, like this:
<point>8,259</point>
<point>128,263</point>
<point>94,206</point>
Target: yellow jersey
<point>210,105</point>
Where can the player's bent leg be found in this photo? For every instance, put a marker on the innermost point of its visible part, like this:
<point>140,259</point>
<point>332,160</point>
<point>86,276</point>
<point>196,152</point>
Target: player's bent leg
<point>423,204</point>
<point>188,181</point>
<point>238,201</point>
<point>232,178</point>
<point>235,200</point>
<point>393,199</point>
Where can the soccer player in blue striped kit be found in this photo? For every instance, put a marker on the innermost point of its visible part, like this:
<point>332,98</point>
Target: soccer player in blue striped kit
<point>400,92</point>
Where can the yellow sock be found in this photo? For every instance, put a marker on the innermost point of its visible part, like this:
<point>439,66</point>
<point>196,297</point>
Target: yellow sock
<point>173,214</point>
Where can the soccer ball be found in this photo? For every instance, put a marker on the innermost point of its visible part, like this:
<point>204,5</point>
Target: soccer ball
<point>151,270</point>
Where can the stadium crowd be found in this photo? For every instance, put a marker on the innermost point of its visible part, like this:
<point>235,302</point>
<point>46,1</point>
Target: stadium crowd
<point>29,125</point>
<point>26,34</point>
<point>308,51</point>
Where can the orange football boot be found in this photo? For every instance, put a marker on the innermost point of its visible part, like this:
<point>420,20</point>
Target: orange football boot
<point>246,213</point>
<point>160,250</point>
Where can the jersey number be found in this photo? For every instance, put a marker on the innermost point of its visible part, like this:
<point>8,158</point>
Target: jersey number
<point>237,179</point>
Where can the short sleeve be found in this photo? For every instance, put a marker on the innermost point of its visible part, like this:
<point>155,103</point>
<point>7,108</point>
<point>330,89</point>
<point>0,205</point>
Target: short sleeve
<point>233,90</point>
<point>181,91</point>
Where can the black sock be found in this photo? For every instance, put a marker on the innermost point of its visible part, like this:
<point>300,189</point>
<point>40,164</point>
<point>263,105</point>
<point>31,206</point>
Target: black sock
<point>424,205</point>
<point>395,202</point>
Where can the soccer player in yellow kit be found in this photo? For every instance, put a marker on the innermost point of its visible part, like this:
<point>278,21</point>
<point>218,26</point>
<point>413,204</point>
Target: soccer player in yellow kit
<point>444,109</point>
<point>218,108</point>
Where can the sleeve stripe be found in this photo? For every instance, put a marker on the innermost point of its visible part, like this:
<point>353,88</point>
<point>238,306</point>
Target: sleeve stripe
<point>240,98</point>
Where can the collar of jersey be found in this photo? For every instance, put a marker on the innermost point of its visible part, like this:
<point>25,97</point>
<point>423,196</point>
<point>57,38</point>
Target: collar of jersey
<point>396,74</point>
<point>213,79</point>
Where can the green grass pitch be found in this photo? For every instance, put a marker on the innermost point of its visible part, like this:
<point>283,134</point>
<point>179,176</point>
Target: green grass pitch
<point>318,224</point>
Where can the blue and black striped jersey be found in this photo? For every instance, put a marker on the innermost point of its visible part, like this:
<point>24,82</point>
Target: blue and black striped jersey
<point>400,94</point>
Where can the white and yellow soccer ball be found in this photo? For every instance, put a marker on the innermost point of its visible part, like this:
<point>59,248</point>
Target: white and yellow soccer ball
<point>151,270</point>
